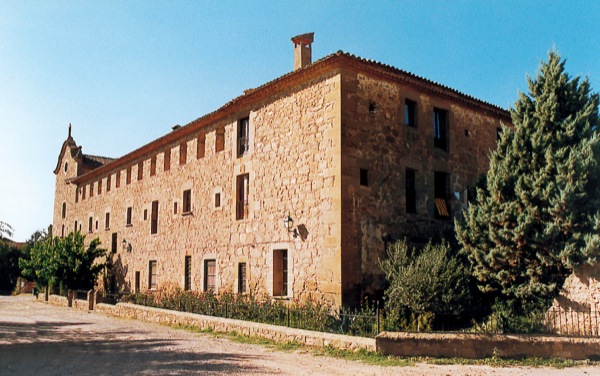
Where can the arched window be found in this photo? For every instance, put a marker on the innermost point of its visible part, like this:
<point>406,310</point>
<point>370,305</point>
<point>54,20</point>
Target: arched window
<point>66,166</point>
<point>64,210</point>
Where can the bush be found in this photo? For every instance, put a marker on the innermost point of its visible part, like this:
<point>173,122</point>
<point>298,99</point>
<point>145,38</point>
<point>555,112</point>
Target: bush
<point>426,284</point>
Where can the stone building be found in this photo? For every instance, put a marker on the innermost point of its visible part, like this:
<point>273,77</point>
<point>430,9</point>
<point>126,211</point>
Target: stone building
<point>292,189</point>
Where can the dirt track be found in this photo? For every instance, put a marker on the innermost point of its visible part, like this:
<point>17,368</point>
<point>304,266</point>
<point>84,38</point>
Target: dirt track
<point>39,339</point>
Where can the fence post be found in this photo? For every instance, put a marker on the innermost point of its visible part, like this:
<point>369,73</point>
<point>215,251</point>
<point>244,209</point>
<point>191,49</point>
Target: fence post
<point>226,315</point>
<point>90,298</point>
<point>377,313</point>
<point>288,316</point>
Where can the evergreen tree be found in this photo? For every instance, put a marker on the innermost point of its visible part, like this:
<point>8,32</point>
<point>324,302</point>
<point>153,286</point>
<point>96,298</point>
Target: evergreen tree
<point>538,216</point>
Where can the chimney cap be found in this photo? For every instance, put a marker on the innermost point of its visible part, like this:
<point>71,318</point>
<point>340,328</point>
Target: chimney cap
<point>304,39</point>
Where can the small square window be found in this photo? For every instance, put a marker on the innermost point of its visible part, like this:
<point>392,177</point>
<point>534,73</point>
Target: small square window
<point>372,108</point>
<point>364,177</point>
<point>217,200</point>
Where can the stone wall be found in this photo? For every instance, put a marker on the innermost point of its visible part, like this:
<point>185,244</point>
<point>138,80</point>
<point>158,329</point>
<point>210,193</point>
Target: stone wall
<point>474,346</point>
<point>293,165</point>
<point>577,309</point>
<point>376,138</point>
<point>272,332</point>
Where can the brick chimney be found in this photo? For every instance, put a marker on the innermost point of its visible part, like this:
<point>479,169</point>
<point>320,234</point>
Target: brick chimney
<point>302,50</point>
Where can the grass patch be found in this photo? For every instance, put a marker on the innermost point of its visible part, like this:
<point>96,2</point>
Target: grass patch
<point>374,358</point>
<point>364,356</point>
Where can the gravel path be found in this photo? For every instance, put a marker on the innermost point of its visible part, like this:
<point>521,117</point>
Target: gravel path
<point>40,339</point>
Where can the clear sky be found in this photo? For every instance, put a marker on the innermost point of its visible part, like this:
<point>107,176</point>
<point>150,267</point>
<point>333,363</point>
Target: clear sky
<point>124,72</point>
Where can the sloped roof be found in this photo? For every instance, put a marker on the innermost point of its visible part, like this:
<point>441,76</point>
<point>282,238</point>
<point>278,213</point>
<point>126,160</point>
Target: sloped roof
<point>322,66</point>
<point>94,161</point>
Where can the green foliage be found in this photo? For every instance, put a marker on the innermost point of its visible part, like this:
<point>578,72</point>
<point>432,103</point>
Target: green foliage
<point>9,265</point>
<point>538,215</point>
<point>308,315</point>
<point>65,262</point>
<point>425,283</point>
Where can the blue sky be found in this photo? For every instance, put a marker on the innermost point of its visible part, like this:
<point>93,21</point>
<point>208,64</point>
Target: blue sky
<point>124,72</point>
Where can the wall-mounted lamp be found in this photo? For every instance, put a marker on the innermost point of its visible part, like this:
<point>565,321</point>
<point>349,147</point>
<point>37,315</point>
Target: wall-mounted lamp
<point>289,225</point>
<point>126,246</point>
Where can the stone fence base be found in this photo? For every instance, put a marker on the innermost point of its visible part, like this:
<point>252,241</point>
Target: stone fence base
<point>472,346</point>
<point>218,324</point>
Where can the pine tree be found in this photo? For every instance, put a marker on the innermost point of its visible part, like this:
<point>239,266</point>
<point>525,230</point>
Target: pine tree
<point>539,214</point>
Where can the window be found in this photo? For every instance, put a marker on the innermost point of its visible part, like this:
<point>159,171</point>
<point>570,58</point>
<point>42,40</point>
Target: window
<point>242,197</point>
<point>440,129</point>
<point>96,225</point>
<point>411,191</point>
<point>153,166</point>
<point>83,193</point>
<point>241,278</point>
<point>113,243</point>
<point>118,179</point>
<point>372,108</point>
<point>210,270</point>
<point>217,200</point>
<point>90,224</point>
<point>129,216</point>
<point>64,210</point>
<point>145,214</point>
<point>75,229</point>
<point>410,113</point>
<point>200,146</point>
<point>77,195</point>
<point>167,164</point>
<point>183,153</point>
<point>152,275</point>
<point>108,183</point>
<point>154,218</point>
<point>91,189</point>
<point>243,134</point>
<point>175,207</point>
<point>187,284</point>
<point>66,166</point>
<point>140,170</point>
<point>99,187</point>
<point>137,282</point>
<point>187,201</point>
<point>280,272</point>
<point>220,139</point>
<point>441,186</point>
<point>62,232</point>
<point>128,176</point>
<point>364,177</point>
<point>107,221</point>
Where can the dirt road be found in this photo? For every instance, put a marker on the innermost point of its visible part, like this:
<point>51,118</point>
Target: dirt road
<point>40,339</point>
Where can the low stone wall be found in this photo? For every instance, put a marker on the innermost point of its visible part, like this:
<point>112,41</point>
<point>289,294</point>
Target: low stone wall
<point>470,345</point>
<point>217,324</point>
<point>80,304</point>
<point>57,300</point>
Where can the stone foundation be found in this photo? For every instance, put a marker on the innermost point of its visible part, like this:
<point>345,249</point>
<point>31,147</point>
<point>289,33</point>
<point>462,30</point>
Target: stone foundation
<point>473,346</point>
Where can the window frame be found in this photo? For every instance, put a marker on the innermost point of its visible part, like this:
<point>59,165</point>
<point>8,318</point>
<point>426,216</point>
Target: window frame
<point>210,280</point>
<point>154,218</point>
<point>242,197</point>
<point>441,128</point>
<point>152,275</point>
<point>243,137</point>
<point>186,206</point>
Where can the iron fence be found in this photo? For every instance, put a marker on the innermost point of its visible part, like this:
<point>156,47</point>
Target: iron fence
<point>370,322</point>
